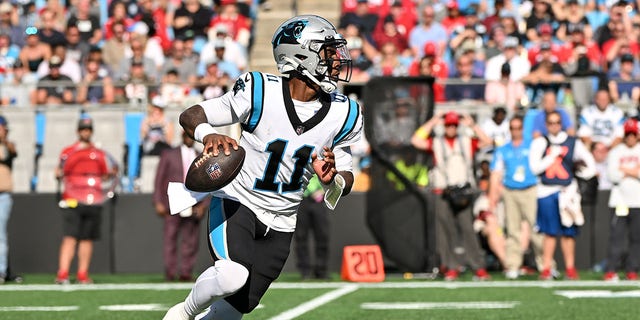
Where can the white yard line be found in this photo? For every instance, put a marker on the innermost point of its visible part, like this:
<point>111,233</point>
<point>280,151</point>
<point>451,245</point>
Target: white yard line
<point>329,285</point>
<point>315,303</point>
<point>39,308</point>
<point>439,305</point>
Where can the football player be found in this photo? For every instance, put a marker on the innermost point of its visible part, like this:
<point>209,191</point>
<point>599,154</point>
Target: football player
<point>294,126</point>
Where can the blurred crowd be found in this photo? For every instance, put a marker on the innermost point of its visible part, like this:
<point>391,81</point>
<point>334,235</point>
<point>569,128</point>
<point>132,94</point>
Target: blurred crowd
<point>499,51</point>
<point>69,52</point>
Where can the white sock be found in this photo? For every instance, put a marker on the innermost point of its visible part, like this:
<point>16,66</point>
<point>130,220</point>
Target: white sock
<point>221,309</point>
<point>223,279</point>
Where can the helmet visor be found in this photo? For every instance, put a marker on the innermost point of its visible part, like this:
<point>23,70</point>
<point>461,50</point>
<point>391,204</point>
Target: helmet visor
<point>335,62</point>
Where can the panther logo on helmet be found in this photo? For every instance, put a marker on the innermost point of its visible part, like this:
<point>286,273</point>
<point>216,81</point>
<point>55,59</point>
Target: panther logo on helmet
<point>290,33</point>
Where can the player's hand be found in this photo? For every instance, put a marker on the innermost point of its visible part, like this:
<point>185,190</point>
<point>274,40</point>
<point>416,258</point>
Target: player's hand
<point>212,143</point>
<point>325,168</point>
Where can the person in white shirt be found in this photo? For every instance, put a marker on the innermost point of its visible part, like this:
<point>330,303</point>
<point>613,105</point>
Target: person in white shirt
<point>624,171</point>
<point>554,158</point>
<point>519,66</point>
<point>601,122</point>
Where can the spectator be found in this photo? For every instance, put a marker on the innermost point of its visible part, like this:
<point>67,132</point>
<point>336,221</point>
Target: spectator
<point>549,105</point>
<point>233,51</point>
<point>94,87</point>
<point>360,62</point>
<point>388,32</point>
<point>226,66</point>
<point>618,46</point>
<point>601,122</point>
<point>34,52</point>
<point>453,19</point>
<point>9,54</point>
<point>172,90</point>
<point>547,74</point>
<point>176,61</point>
<point>544,11</point>
<point>87,23</point>
<point>157,15</point>
<point>453,155</point>
<point>497,128</point>
<point>156,129</point>
<point>545,39</point>
<point>493,44</point>
<point>55,88</point>
<point>511,176</point>
<point>577,47</point>
<point>214,83</point>
<point>623,170</point>
<point>467,88</point>
<point>519,66</point>
<point>238,26</point>
<point>600,153</point>
<point>136,90</point>
<point>504,91</point>
<point>427,31</point>
<point>511,28</point>
<point>77,49</point>
<point>574,14</point>
<point>388,63</point>
<point>9,24</point>
<point>7,154</point>
<point>85,172</point>
<point>624,85</point>
<point>17,90</point>
<point>114,48</point>
<point>118,15</point>
<point>136,54</point>
<point>362,19</point>
<point>173,166</point>
<point>49,32</point>
<point>469,37</point>
<point>191,16</point>
<point>403,14</point>
<point>489,223</point>
<point>151,46</point>
<point>70,67</point>
<point>313,222</point>
<point>553,157</point>
<point>431,65</point>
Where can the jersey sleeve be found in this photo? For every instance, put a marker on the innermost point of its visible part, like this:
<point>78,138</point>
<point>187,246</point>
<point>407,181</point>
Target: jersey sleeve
<point>352,128</point>
<point>344,159</point>
<point>234,106</point>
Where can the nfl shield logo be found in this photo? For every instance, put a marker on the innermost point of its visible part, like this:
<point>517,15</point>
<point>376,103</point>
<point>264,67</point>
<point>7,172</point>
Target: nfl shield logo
<point>300,130</point>
<point>214,171</point>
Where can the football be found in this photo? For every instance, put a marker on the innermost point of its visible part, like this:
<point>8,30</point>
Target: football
<point>208,173</point>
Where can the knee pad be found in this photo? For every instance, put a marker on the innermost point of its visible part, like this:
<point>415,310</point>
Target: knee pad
<point>232,276</point>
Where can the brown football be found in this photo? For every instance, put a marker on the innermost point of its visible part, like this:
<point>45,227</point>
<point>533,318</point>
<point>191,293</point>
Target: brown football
<point>208,173</point>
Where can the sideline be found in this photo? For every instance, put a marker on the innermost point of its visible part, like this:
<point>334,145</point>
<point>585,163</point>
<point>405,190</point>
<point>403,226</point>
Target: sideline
<point>329,285</point>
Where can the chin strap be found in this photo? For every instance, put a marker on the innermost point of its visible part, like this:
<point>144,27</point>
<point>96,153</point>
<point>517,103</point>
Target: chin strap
<point>326,85</point>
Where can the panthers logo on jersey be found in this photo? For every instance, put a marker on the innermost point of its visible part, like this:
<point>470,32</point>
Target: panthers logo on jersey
<point>239,86</point>
<point>290,33</point>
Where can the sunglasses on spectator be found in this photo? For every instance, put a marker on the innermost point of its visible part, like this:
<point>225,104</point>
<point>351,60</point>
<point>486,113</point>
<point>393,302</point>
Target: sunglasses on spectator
<point>515,128</point>
<point>553,122</point>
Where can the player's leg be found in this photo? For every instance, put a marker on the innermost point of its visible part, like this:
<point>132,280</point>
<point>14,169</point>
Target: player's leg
<point>231,233</point>
<point>271,252</point>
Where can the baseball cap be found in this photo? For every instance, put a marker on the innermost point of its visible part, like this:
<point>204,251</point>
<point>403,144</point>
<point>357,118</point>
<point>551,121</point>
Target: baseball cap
<point>159,102</point>
<point>55,61</point>
<point>85,123</point>
<point>3,121</point>
<point>430,49</point>
<point>631,127</point>
<point>451,118</point>
<point>221,28</point>
<point>627,57</point>
<point>453,5</point>
<point>545,28</point>
<point>510,42</point>
<point>218,43</point>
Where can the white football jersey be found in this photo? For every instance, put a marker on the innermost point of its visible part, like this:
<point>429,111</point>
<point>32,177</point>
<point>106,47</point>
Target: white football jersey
<point>601,126</point>
<point>278,144</point>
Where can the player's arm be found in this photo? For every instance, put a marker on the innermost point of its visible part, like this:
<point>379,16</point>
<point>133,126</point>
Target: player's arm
<point>199,120</point>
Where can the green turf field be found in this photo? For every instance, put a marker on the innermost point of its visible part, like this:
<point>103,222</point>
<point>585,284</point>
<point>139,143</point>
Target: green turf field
<point>147,297</point>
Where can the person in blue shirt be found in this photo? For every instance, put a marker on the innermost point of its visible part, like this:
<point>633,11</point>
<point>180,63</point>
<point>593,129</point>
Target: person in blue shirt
<point>549,104</point>
<point>511,175</point>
